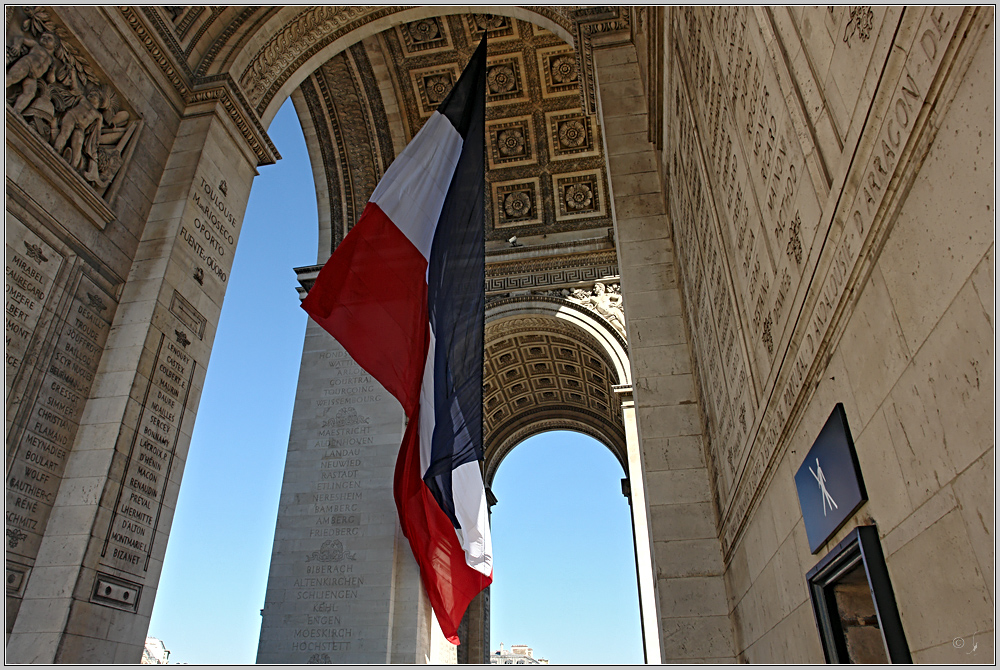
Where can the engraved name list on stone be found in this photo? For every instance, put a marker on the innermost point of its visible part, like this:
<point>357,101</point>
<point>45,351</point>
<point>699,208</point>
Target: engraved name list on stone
<point>130,534</point>
<point>211,232</point>
<point>44,433</point>
<point>29,271</point>
<point>335,534</point>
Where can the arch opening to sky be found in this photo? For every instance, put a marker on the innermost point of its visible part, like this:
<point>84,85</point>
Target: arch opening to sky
<point>564,567</point>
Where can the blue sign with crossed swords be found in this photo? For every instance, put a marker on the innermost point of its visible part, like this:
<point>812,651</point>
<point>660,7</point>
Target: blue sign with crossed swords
<point>829,481</point>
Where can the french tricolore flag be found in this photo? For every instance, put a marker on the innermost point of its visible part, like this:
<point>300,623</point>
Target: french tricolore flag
<point>403,293</point>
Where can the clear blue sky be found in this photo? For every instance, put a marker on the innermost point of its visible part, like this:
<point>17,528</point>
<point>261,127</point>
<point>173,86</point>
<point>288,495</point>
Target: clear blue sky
<point>564,570</point>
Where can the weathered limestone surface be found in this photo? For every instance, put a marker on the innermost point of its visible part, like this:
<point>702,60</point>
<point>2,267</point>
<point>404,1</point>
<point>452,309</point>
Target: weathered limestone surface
<point>904,355</point>
<point>343,584</point>
<point>688,563</point>
<point>799,203</point>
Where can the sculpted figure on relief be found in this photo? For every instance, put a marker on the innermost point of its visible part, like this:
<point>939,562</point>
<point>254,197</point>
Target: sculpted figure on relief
<point>56,91</point>
<point>30,68</point>
<point>606,301</point>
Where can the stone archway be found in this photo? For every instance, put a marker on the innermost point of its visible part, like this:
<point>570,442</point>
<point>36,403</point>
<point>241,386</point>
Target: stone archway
<point>550,363</point>
<point>162,249</point>
<point>553,364</point>
<point>745,301</point>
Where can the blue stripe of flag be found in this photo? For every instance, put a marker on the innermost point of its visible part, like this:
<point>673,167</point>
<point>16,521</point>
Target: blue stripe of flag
<point>456,278</point>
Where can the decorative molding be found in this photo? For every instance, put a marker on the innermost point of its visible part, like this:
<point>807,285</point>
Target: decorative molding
<point>193,42</point>
<point>550,271</point>
<point>222,40</point>
<point>305,35</point>
<point>229,96</point>
<point>560,301</point>
<point>188,19</point>
<point>353,135</point>
<point>185,83</point>
<point>613,26</point>
<point>329,155</point>
<point>138,26</point>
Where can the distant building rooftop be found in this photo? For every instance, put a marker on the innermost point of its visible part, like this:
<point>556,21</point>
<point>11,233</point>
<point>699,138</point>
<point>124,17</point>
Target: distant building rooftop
<point>518,654</point>
<point>154,652</point>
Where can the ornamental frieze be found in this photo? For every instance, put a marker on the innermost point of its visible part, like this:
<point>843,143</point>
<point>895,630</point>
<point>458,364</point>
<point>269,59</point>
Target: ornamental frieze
<point>64,100</point>
<point>603,300</point>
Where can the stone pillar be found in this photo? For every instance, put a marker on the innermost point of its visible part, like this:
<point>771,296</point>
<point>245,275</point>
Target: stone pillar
<point>343,586</point>
<point>649,605</point>
<point>474,631</point>
<point>687,561</point>
<point>92,586</point>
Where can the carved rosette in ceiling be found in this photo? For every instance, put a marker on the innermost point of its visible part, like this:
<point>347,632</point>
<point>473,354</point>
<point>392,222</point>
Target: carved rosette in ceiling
<point>545,162</point>
<point>425,36</point>
<point>55,88</point>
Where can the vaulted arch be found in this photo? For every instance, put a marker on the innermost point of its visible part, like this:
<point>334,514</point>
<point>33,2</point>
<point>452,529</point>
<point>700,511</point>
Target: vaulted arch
<point>550,364</point>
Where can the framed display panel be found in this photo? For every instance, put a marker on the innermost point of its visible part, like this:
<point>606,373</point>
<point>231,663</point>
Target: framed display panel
<point>829,481</point>
<point>854,603</point>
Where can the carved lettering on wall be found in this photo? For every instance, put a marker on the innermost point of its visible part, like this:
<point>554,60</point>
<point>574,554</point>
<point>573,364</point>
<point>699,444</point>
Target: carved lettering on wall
<point>735,142</point>
<point>128,544</point>
<point>211,234</point>
<point>30,270</point>
<point>331,523</point>
<point>48,427</point>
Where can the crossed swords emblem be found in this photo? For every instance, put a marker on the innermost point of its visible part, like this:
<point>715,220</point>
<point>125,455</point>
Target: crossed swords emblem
<point>821,480</point>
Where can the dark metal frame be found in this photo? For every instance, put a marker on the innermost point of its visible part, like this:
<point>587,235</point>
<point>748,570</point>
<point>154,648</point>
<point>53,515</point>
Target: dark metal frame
<point>861,546</point>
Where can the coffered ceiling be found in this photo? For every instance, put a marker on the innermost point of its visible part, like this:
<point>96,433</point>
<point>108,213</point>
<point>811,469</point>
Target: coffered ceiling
<point>545,158</point>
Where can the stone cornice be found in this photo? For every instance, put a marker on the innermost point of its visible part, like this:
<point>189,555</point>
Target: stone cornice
<point>196,90</point>
<point>506,268</point>
<point>607,26</point>
<point>297,42</point>
<point>223,88</point>
<point>312,30</point>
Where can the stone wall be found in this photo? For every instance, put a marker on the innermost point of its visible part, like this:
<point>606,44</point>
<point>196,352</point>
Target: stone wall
<point>71,235</point>
<point>343,586</point>
<point>802,203</point>
<point>126,282</point>
<point>829,180</point>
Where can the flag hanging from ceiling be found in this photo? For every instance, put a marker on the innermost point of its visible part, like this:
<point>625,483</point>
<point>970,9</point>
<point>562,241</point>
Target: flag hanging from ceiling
<point>404,295</point>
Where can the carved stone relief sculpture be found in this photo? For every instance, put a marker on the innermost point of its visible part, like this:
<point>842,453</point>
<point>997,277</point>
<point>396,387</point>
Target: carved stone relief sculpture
<point>603,300</point>
<point>57,92</point>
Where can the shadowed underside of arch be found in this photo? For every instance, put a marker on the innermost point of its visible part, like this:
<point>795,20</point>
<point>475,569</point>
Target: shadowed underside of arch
<point>544,372</point>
